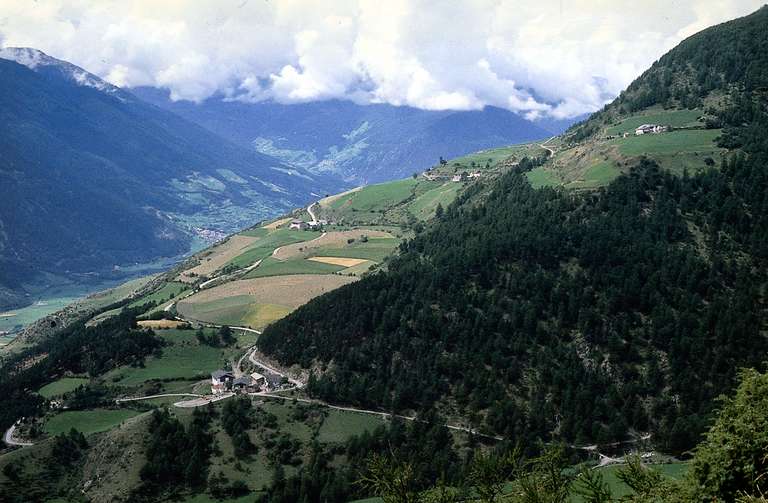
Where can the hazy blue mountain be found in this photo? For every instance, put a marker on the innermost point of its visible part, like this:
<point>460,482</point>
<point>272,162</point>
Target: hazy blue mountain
<point>92,177</point>
<point>361,143</point>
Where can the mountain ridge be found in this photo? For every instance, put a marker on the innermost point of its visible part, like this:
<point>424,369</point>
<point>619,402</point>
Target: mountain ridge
<point>361,143</point>
<point>95,164</point>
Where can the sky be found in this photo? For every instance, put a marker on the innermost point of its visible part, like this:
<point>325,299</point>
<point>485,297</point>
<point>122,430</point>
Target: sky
<point>543,58</point>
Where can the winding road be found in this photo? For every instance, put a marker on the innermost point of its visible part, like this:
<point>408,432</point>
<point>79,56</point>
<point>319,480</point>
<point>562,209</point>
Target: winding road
<point>9,440</point>
<point>384,415</point>
<point>312,213</point>
<point>548,149</point>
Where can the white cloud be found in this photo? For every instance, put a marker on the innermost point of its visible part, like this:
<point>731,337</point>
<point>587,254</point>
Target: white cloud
<point>548,57</point>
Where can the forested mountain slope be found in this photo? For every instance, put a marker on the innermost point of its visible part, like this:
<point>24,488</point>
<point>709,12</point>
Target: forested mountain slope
<point>361,143</point>
<point>92,177</point>
<point>581,316</point>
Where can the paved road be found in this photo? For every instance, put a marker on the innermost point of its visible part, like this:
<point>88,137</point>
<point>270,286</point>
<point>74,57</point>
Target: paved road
<point>370,412</point>
<point>548,149</point>
<point>254,359</point>
<point>119,400</point>
<point>312,213</point>
<point>252,266</point>
<point>238,367</point>
<point>203,400</point>
<point>236,274</point>
<point>174,301</point>
<point>8,438</point>
<point>246,329</point>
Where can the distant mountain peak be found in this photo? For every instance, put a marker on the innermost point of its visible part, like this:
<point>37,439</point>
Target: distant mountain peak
<point>35,60</point>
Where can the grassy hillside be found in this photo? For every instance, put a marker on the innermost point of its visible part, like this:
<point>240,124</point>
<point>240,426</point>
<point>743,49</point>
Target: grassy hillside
<point>689,146</point>
<point>415,199</point>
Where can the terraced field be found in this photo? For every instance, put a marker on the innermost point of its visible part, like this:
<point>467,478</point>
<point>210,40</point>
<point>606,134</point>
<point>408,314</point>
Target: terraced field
<point>273,225</point>
<point>272,267</point>
<point>402,201</point>
<point>423,207</point>
<point>160,324</point>
<point>259,301</point>
<point>493,156</point>
<point>334,239</point>
<point>264,247</point>
<point>339,261</point>
<point>216,257</point>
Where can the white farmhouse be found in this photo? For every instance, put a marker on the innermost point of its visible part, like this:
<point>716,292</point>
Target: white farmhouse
<point>650,128</point>
<point>221,381</point>
<point>298,224</point>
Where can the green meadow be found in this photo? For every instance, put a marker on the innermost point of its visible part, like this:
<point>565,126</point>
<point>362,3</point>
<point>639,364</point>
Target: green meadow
<point>264,247</point>
<point>182,358</point>
<point>339,425</point>
<point>542,177</point>
<point>375,197</point>
<point>87,421</point>
<point>673,142</point>
<point>61,386</point>
<point>273,267</point>
<point>602,173</point>
<point>168,291</point>
<point>674,118</point>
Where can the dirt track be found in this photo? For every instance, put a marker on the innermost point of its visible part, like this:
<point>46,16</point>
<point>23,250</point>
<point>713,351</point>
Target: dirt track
<point>219,255</point>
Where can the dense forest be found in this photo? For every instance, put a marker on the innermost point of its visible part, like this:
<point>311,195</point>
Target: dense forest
<point>543,314</point>
<point>414,463</point>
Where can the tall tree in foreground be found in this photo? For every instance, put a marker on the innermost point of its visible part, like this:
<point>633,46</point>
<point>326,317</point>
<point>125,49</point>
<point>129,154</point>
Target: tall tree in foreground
<point>732,461</point>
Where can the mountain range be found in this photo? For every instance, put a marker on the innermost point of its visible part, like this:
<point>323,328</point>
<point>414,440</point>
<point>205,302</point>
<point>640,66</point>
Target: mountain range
<point>94,176</point>
<point>360,143</point>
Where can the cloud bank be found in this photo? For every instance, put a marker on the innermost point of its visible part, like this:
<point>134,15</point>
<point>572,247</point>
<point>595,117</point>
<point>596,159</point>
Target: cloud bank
<point>556,58</point>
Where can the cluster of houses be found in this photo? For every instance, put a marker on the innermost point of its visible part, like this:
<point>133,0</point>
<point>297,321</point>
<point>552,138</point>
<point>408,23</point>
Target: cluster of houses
<point>461,177</point>
<point>458,177</point>
<point>643,129</point>
<point>650,128</point>
<point>302,225</point>
<point>224,381</point>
